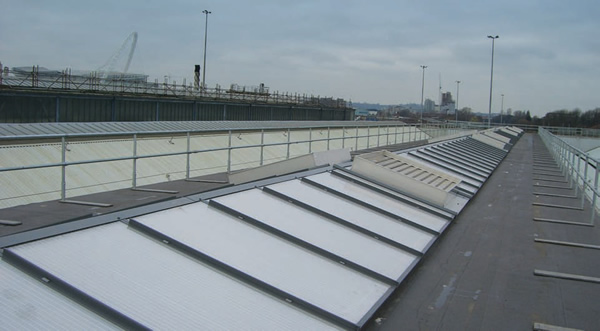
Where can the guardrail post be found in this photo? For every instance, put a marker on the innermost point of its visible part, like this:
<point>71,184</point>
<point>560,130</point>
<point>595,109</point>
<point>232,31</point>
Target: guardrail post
<point>187,166</point>
<point>343,137</point>
<point>328,137</point>
<point>309,140</point>
<point>368,136</point>
<point>396,134</point>
<point>63,181</point>
<point>356,142</point>
<point>289,133</point>
<point>584,181</point>
<point>378,134</point>
<point>262,146</point>
<point>387,135</point>
<point>577,173</point>
<point>134,175</point>
<point>594,194</point>
<point>229,154</point>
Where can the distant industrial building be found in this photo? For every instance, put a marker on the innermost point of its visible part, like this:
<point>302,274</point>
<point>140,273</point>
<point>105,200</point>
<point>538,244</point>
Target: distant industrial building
<point>448,105</point>
<point>429,105</point>
<point>36,94</point>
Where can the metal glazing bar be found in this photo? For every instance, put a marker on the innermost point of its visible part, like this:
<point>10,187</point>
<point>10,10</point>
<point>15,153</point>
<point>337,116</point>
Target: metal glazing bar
<point>341,221</point>
<point>301,243</point>
<point>73,293</point>
<point>369,206</point>
<point>240,275</point>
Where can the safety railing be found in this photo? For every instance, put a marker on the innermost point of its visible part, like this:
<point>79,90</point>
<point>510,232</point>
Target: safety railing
<point>353,137</point>
<point>580,169</point>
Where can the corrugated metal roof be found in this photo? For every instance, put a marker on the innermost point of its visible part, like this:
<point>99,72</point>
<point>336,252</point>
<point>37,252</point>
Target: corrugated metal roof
<point>33,130</point>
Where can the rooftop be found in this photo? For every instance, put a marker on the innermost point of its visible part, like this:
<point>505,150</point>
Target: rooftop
<point>352,250</point>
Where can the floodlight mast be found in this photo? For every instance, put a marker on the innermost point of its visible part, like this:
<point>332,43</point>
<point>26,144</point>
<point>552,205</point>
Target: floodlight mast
<point>491,80</point>
<point>206,12</point>
<point>422,92</point>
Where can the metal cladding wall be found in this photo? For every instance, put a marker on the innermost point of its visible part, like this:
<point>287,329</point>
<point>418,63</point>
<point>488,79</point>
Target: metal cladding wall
<point>43,106</point>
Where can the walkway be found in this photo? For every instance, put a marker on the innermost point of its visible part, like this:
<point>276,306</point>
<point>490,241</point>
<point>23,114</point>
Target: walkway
<point>480,274</point>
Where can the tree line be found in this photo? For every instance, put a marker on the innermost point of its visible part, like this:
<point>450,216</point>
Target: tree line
<point>560,118</point>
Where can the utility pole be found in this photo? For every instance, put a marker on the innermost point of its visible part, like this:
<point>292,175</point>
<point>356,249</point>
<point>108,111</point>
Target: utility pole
<point>422,92</point>
<point>491,81</point>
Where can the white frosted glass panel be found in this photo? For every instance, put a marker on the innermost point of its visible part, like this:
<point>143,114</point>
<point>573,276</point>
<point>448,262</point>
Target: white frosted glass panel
<point>454,203</point>
<point>27,304</point>
<point>157,286</point>
<point>379,200</point>
<point>324,283</point>
<point>351,212</point>
<point>407,198</point>
<point>326,234</point>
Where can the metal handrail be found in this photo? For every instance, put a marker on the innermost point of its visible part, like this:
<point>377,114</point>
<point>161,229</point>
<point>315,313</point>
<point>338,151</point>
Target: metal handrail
<point>570,160</point>
<point>383,133</point>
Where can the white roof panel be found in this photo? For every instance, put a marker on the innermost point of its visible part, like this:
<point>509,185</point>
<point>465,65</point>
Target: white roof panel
<point>356,214</point>
<point>322,282</point>
<point>381,201</point>
<point>157,286</point>
<point>27,304</point>
<point>331,236</point>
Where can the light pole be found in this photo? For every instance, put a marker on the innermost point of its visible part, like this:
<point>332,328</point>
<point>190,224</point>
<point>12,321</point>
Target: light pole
<point>456,106</point>
<point>422,92</point>
<point>491,80</point>
<point>206,12</point>
<point>501,108</point>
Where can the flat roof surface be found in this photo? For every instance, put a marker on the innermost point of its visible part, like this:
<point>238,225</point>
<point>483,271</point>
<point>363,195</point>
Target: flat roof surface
<point>480,274</point>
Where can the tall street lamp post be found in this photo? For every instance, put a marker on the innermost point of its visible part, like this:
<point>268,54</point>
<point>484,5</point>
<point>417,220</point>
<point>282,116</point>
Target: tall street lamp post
<point>206,12</point>
<point>501,108</point>
<point>422,92</point>
<point>491,80</point>
<point>456,106</point>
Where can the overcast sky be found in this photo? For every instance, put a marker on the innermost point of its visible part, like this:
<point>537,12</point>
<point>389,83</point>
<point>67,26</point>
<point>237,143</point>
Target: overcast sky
<point>547,56</point>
